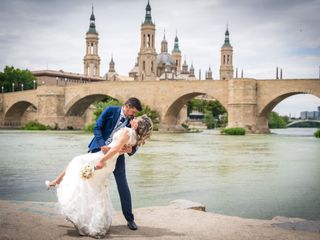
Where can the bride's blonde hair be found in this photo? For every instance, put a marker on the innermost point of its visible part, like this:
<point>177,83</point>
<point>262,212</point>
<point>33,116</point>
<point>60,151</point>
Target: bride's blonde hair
<point>144,129</point>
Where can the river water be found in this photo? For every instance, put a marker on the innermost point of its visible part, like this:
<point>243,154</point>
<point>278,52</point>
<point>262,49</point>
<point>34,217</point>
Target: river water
<point>252,176</point>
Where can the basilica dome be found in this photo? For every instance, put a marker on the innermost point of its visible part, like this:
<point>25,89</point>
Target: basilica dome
<point>164,59</point>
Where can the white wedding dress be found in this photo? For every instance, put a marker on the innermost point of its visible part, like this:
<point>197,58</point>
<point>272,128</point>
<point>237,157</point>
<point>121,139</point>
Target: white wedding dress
<point>86,202</point>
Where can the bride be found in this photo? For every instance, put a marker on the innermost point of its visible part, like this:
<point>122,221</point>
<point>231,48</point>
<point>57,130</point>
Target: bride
<point>83,195</point>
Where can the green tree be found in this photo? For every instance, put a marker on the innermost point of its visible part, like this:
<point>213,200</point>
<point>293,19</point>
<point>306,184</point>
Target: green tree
<point>195,105</point>
<point>276,121</point>
<point>209,120</point>
<point>17,76</point>
<point>105,103</point>
<point>214,108</point>
<point>153,114</point>
<point>317,133</point>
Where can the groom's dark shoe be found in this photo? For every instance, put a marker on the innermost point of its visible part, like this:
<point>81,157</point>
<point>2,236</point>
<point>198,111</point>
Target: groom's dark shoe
<point>132,225</point>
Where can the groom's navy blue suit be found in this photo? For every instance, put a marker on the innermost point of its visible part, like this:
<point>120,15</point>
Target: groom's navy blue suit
<point>102,131</point>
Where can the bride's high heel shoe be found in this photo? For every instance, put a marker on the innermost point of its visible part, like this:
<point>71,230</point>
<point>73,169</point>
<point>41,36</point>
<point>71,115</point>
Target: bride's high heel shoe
<point>50,185</point>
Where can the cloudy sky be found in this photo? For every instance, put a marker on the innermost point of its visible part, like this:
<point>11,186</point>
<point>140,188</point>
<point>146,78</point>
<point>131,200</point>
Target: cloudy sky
<point>50,34</point>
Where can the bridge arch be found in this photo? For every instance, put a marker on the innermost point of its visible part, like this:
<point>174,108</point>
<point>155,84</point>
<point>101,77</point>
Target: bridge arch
<point>265,110</point>
<point>170,116</point>
<point>75,112</point>
<point>78,105</point>
<point>14,114</point>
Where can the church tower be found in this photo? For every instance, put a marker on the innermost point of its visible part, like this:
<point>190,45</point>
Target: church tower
<point>226,67</point>
<point>176,54</point>
<point>147,56</point>
<point>92,60</point>
<point>164,44</point>
<point>209,74</point>
<point>111,66</point>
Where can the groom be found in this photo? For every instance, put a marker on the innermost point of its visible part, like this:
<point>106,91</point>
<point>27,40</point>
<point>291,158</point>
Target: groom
<point>111,120</point>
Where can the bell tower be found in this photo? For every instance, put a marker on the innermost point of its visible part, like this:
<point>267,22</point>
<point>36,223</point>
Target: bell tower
<point>147,56</point>
<point>176,54</point>
<point>92,60</point>
<point>226,67</point>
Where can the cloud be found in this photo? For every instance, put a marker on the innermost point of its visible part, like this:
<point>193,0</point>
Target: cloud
<point>37,34</point>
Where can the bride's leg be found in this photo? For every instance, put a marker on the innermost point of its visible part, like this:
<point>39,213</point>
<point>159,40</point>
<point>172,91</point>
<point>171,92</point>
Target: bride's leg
<point>57,180</point>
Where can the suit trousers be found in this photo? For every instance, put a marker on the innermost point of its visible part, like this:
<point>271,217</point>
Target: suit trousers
<point>123,187</point>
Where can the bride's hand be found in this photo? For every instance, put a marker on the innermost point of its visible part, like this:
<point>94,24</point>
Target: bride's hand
<point>99,165</point>
<point>105,149</point>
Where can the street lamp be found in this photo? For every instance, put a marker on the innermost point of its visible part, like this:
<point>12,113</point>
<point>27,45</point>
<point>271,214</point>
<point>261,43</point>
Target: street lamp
<point>21,86</point>
<point>12,87</point>
<point>34,84</point>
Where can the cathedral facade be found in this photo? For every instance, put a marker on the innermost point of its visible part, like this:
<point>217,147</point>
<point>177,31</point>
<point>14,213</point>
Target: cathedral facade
<point>150,65</point>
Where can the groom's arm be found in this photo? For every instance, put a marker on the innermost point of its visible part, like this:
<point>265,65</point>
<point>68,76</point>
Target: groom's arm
<point>133,150</point>
<point>100,123</point>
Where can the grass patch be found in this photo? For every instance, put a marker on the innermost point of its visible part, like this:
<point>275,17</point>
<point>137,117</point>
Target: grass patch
<point>317,133</point>
<point>34,125</point>
<point>233,131</point>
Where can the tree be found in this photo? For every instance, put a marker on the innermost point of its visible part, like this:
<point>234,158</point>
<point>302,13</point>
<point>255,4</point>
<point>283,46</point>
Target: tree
<point>195,104</point>
<point>216,108</point>
<point>209,120</point>
<point>105,103</point>
<point>153,114</point>
<point>17,76</point>
<point>276,121</point>
<point>213,111</point>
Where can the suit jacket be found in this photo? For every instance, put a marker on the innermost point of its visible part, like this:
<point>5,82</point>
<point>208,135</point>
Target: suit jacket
<point>104,127</point>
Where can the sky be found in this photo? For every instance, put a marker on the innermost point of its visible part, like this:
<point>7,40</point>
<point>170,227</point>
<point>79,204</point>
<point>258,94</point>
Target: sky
<point>265,34</point>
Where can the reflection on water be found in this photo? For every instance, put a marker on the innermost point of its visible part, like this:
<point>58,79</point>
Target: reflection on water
<point>254,176</point>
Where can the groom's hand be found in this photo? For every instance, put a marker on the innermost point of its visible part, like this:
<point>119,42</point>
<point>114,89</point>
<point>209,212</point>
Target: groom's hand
<point>105,149</point>
<point>126,149</point>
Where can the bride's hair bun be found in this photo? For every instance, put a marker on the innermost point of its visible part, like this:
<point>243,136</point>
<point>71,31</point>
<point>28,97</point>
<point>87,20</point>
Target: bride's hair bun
<point>144,129</point>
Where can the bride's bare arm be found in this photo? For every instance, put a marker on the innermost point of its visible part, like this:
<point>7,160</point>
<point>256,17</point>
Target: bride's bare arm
<point>122,140</point>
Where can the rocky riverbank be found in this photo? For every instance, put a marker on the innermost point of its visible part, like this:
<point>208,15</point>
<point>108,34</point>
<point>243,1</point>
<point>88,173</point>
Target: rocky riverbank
<point>179,220</point>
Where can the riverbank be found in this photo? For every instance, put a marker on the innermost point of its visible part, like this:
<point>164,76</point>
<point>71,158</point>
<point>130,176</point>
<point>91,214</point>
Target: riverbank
<point>40,220</point>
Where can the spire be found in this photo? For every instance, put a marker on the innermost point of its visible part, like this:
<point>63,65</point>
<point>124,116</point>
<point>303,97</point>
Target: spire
<point>209,74</point>
<point>92,18</point>
<point>226,38</point>
<point>111,61</point>
<point>176,45</point>
<point>148,18</point>
<point>164,43</point>
<point>191,72</point>
<point>111,65</point>
<point>185,67</point>
<point>191,67</point>
<point>92,27</point>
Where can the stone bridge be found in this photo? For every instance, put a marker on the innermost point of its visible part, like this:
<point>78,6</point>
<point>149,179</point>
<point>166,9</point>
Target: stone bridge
<point>247,101</point>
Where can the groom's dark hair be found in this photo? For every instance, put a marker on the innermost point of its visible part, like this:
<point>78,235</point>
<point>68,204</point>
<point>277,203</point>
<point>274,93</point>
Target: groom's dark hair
<point>134,102</point>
